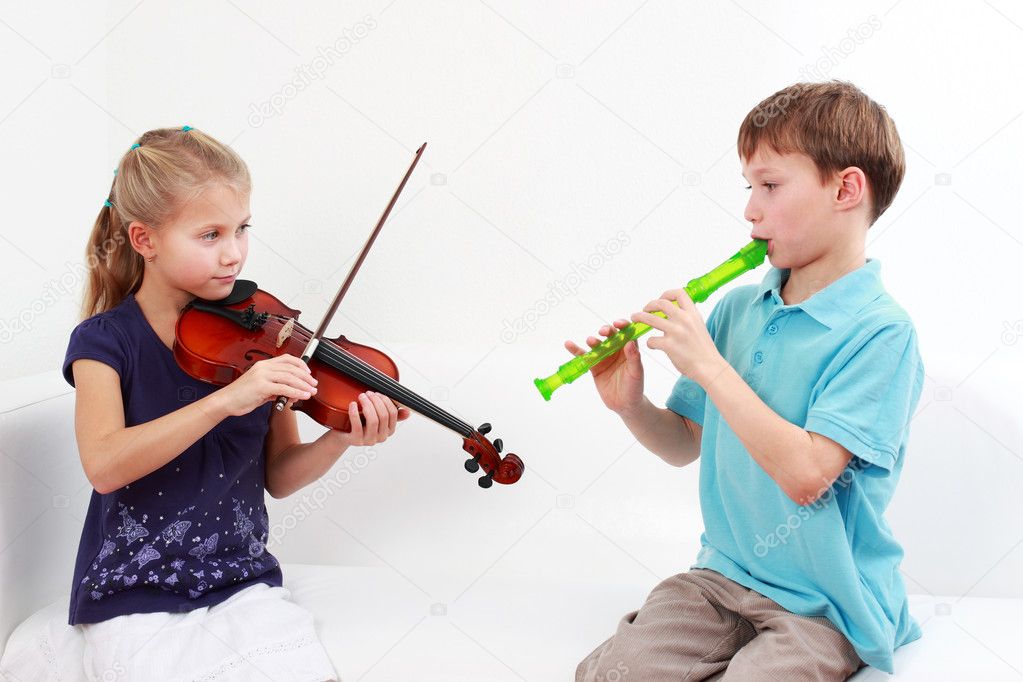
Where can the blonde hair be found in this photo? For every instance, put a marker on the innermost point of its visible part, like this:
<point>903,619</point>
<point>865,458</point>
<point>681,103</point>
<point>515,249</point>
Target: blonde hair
<point>162,171</point>
<point>837,126</point>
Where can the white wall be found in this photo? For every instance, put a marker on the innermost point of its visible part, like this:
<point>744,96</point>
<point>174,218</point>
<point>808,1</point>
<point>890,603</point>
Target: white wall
<point>553,129</point>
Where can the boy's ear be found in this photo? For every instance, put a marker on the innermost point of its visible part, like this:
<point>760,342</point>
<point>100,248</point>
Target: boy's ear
<point>852,188</point>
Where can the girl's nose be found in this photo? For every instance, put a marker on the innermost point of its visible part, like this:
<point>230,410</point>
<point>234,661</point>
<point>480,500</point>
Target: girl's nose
<point>232,252</point>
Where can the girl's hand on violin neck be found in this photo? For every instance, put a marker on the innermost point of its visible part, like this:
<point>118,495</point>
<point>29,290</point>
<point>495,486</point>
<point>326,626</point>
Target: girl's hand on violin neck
<point>284,375</point>
<point>381,415</point>
<point>619,378</point>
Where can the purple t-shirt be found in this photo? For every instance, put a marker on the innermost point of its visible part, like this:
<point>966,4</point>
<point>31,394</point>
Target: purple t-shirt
<point>191,533</point>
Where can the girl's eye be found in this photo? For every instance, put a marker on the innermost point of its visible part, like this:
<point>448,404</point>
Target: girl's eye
<point>749,186</point>
<point>214,233</point>
<point>770,186</point>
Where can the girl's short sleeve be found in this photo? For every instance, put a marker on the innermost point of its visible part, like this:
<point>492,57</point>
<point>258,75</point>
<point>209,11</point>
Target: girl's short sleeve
<point>97,338</point>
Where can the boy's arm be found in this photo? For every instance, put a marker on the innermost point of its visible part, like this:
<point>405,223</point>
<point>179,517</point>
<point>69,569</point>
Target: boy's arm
<point>803,463</point>
<point>670,436</point>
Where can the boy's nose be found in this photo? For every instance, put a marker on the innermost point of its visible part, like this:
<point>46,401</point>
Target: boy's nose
<point>751,214</point>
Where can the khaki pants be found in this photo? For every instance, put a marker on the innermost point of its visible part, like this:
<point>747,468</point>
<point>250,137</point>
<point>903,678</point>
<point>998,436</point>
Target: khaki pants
<point>701,625</point>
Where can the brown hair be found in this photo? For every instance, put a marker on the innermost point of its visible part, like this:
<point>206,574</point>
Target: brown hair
<point>162,171</point>
<point>837,126</point>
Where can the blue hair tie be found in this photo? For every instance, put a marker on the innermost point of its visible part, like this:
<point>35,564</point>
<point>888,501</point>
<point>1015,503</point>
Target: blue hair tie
<point>185,129</point>
<point>135,146</point>
<point>115,171</point>
<point>107,204</point>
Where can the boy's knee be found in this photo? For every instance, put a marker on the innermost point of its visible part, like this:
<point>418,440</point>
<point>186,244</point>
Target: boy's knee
<point>603,669</point>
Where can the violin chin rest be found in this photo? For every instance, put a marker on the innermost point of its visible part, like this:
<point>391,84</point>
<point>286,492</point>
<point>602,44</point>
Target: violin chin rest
<point>243,289</point>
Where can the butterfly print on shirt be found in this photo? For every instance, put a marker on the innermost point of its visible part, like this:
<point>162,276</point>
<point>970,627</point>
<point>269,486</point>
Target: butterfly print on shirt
<point>205,548</point>
<point>175,532</point>
<point>242,524</point>
<point>145,555</point>
<point>130,528</point>
<point>108,549</point>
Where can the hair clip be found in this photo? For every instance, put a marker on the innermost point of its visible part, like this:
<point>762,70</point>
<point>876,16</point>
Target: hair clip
<point>135,146</point>
<point>185,129</point>
<point>107,204</point>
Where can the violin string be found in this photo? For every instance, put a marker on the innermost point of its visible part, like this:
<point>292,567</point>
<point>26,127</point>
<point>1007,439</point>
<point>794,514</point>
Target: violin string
<point>360,369</point>
<point>365,372</point>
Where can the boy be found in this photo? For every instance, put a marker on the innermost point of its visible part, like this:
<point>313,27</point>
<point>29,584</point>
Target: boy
<point>798,394</point>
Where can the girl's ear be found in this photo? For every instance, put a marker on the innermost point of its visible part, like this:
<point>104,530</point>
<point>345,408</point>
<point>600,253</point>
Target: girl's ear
<point>141,236</point>
<point>852,188</point>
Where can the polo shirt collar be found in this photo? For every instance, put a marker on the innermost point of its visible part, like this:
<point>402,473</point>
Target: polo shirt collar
<point>837,302</point>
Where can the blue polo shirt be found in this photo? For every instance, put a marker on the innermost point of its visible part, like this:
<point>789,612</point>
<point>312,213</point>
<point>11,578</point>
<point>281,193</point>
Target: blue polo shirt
<point>843,363</point>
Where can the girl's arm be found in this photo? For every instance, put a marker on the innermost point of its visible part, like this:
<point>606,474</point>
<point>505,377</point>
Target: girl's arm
<point>114,456</point>
<point>291,464</point>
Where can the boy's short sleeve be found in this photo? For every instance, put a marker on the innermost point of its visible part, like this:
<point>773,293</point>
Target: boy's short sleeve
<point>97,338</point>
<point>865,402</point>
<point>688,398</point>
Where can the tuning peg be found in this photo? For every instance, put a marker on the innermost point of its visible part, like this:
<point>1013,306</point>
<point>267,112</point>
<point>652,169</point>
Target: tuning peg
<point>486,481</point>
<point>472,465</point>
<point>484,428</point>
<point>498,444</point>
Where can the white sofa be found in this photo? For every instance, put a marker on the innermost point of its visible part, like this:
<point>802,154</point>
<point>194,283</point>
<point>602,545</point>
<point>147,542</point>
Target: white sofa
<point>415,573</point>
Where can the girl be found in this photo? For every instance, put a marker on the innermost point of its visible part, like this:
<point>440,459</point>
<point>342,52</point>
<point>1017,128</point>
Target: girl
<point>173,580</point>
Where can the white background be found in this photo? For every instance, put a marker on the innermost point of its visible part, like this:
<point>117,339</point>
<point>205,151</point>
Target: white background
<point>553,130</point>
<point>552,126</point>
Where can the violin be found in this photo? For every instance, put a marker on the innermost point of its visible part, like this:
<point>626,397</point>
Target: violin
<point>217,341</point>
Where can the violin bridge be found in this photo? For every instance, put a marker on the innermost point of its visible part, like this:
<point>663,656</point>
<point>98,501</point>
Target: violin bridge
<point>285,332</point>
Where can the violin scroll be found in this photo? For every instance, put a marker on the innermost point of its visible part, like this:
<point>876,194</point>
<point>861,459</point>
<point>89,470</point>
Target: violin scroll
<point>505,470</point>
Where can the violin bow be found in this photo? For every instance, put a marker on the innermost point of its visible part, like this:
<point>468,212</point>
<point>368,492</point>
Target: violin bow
<point>314,341</point>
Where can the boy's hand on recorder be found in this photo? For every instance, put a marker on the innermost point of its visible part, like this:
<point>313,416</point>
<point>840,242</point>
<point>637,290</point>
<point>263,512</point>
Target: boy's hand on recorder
<point>686,340</point>
<point>619,377</point>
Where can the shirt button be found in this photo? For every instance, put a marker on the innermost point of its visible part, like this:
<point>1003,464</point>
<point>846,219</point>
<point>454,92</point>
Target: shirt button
<point>758,357</point>
<point>772,330</point>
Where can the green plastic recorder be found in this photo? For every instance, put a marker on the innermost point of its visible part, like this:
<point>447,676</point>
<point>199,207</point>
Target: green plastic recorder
<point>747,258</point>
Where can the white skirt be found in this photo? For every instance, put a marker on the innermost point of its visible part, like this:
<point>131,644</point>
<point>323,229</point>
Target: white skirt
<point>256,634</point>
